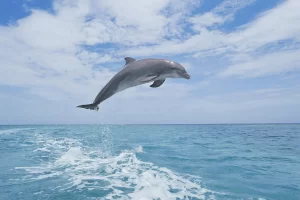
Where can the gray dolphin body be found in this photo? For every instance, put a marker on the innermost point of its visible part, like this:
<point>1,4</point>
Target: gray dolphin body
<point>137,72</point>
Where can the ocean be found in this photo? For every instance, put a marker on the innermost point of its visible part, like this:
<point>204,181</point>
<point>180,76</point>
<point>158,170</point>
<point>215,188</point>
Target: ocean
<point>150,162</point>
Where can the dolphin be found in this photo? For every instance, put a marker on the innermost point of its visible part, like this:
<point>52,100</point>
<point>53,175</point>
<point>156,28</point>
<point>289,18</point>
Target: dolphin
<point>137,72</point>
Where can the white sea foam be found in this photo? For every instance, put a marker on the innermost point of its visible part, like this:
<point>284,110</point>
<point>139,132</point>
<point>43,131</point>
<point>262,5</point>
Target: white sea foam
<point>13,130</point>
<point>124,175</point>
<point>139,149</point>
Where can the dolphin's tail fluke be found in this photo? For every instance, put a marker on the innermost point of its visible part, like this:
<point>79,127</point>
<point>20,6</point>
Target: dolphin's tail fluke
<point>89,106</point>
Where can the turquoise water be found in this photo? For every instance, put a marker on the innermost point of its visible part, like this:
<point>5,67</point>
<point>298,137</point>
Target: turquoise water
<point>150,162</point>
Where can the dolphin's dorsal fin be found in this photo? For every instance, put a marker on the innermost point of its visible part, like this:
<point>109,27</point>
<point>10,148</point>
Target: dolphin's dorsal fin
<point>129,60</point>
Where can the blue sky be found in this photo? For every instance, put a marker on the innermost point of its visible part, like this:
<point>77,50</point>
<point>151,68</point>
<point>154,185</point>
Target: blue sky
<point>243,57</point>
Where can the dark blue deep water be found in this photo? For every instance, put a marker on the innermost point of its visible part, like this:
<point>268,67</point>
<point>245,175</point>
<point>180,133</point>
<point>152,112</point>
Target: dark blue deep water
<point>144,162</point>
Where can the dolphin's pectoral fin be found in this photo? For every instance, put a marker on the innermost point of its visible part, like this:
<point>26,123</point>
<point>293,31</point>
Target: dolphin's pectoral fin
<point>129,60</point>
<point>149,78</point>
<point>157,83</point>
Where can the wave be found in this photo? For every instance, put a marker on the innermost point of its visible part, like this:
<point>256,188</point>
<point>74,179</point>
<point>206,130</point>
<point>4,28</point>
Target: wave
<point>13,130</point>
<point>121,176</point>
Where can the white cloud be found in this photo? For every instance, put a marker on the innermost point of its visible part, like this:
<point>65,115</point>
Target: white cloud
<point>230,7</point>
<point>269,29</point>
<point>136,22</point>
<point>48,44</point>
<point>49,32</point>
<point>275,25</point>
<point>166,105</point>
<point>206,20</point>
<point>219,15</point>
<point>42,53</point>
<point>205,40</point>
<point>269,64</point>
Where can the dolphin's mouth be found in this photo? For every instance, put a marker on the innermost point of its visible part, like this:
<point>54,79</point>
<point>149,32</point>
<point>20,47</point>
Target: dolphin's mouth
<point>186,75</point>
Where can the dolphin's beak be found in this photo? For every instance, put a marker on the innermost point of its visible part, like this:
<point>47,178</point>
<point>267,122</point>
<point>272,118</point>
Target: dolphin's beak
<point>186,76</point>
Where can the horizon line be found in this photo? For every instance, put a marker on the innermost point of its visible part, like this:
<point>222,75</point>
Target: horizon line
<point>250,123</point>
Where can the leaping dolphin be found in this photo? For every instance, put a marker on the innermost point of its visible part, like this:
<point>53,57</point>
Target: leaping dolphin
<point>137,72</point>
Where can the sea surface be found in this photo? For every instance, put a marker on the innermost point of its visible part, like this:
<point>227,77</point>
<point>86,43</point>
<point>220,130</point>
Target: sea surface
<point>150,162</point>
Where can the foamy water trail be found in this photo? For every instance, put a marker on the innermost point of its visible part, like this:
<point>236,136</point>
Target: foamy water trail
<point>122,176</point>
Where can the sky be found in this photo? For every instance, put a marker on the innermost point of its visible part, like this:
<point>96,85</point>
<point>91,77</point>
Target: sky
<point>243,57</point>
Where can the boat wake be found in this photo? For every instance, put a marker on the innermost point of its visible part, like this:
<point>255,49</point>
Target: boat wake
<point>122,176</point>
